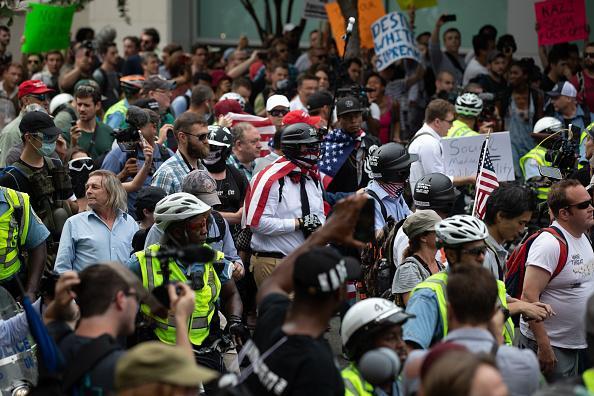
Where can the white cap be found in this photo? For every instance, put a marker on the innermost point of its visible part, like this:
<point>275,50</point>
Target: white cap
<point>277,100</point>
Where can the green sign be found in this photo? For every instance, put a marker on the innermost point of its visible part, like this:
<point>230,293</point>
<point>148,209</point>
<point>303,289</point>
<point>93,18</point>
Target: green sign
<point>47,28</point>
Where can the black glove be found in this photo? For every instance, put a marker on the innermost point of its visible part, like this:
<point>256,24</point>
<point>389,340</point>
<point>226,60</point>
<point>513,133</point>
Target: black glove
<point>237,330</point>
<point>309,224</point>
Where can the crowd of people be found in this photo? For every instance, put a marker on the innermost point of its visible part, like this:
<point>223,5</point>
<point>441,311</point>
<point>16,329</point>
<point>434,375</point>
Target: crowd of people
<point>194,222</point>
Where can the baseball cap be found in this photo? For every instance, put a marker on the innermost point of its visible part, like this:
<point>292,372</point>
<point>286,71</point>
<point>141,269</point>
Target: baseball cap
<point>324,269</point>
<point>298,116</point>
<point>154,361</point>
<point>419,222</point>
<point>319,99</point>
<point>38,121</point>
<point>217,77</point>
<point>33,87</point>
<point>158,82</point>
<point>227,106</point>
<point>277,100</point>
<point>203,186</point>
<point>563,88</point>
<point>147,103</point>
<point>348,104</point>
<point>148,197</point>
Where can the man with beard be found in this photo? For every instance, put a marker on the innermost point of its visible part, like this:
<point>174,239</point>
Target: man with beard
<point>191,132</point>
<point>584,80</point>
<point>284,205</point>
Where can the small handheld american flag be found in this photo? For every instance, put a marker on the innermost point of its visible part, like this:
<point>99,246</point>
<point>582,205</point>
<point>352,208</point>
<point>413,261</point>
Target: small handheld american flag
<point>486,181</point>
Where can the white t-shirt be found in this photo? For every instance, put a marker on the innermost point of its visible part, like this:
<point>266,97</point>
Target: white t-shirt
<point>568,292</point>
<point>473,69</point>
<point>296,104</point>
<point>428,147</point>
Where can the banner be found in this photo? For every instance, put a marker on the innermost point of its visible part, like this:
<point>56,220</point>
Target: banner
<point>47,28</point>
<point>314,9</point>
<point>560,21</point>
<point>406,4</point>
<point>337,25</point>
<point>368,12</point>
<point>461,155</point>
<point>393,40</point>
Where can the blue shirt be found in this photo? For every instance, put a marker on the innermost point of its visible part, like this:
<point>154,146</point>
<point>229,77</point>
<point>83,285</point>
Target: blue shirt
<point>116,159</point>
<point>87,240</point>
<point>397,208</point>
<point>427,325</point>
<point>171,174</point>
<point>37,233</point>
<point>181,103</point>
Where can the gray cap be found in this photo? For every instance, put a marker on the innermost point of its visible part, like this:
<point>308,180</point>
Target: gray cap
<point>201,184</point>
<point>419,222</point>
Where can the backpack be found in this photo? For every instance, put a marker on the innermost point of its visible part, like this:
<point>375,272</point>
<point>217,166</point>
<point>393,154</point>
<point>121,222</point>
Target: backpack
<point>220,222</point>
<point>515,267</point>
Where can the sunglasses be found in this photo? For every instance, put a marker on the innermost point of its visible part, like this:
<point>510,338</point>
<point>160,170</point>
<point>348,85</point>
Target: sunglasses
<point>581,205</point>
<point>203,137</point>
<point>476,251</point>
<point>79,164</point>
<point>41,97</point>
<point>449,121</point>
<point>589,55</point>
<point>278,113</point>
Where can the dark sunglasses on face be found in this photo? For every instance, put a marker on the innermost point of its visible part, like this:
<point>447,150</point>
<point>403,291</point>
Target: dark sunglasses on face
<point>581,205</point>
<point>41,97</point>
<point>203,137</point>
<point>278,113</point>
<point>79,164</point>
<point>476,251</point>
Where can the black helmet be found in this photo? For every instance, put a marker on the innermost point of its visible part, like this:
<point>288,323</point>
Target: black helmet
<point>295,135</point>
<point>390,162</point>
<point>435,191</point>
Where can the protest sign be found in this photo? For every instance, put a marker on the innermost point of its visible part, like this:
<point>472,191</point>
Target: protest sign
<point>368,12</point>
<point>47,28</point>
<point>461,155</point>
<point>407,4</point>
<point>337,25</point>
<point>560,21</point>
<point>314,9</point>
<point>393,40</point>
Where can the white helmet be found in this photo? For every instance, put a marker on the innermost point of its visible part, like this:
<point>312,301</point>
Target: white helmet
<point>469,104</point>
<point>461,229</point>
<point>547,125</point>
<point>58,101</point>
<point>365,316</point>
<point>177,207</point>
<point>234,96</point>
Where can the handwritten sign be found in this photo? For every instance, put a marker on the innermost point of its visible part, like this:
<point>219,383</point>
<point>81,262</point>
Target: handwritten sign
<point>314,9</point>
<point>393,40</point>
<point>406,4</point>
<point>461,155</point>
<point>560,21</point>
<point>47,28</point>
<point>337,25</point>
<point>368,12</point>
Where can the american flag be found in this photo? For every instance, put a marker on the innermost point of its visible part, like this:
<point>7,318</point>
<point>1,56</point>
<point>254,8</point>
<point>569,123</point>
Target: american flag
<point>336,148</point>
<point>486,181</point>
<point>262,124</point>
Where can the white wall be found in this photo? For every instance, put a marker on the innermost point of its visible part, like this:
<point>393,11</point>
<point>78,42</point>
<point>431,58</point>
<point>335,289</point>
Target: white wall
<point>520,23</point>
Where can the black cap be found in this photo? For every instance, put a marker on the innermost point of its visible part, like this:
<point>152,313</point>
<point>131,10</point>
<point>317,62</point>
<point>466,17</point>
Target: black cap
<point>324,270</point>
<point>38,121</point>
<point>348,104</point>
<point>148,197</point>
<point>319,99</point>
<point>147,103</point>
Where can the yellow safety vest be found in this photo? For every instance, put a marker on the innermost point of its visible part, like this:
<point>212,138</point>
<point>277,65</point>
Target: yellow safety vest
<point>199,326</point>
<point>438,282</point>
<point>538,154</point>
<point>588,378</point>
<point>460,129</point>
<point>11,228</point>
<point>354,384</point>
<point>118,107</point>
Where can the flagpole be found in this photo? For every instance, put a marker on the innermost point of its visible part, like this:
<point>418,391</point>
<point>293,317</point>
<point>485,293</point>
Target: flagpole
<point>481,165</point>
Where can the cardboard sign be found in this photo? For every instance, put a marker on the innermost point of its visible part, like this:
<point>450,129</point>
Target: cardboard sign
<point>393,40</point>
<point>461,155</point>
<point>368,12</point>
<point>47,28</point>
<point>407,4</point>
<point>314,9</point>
<point>337,25</point>
<point>560,21</point>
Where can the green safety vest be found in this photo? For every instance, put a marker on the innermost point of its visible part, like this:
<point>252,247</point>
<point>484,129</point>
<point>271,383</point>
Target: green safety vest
<point>538,154</point>
<point>118,107</point>
<point>13,226</point>
<point>588,378</point>
<point>460,129</point>
<point>438,282</point>
<point>199,326</point>
<point>354,384</point>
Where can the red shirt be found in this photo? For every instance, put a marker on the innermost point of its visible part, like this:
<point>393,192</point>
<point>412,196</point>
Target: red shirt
<point>585,92</point>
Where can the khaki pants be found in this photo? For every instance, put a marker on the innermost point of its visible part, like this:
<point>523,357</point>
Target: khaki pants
<point>262,267</point>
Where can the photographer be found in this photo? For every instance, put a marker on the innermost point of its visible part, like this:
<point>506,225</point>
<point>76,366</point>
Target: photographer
<point>125,159</point>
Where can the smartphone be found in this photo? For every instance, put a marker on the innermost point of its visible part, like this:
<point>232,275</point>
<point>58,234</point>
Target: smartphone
<point>449,18</point>
<point>550,172</point>
<point>365,227</point>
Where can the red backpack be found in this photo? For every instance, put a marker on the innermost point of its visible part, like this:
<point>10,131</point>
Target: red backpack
<point>515,267</point>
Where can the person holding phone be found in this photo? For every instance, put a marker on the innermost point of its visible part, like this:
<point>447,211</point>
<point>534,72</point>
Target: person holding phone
<point>450,60</point>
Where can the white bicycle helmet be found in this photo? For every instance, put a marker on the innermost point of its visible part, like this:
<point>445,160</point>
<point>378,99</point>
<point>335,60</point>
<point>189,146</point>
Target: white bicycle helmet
<point>547,125</point>
<point>58,101</point>
<point>234,96</point>
<point>461,229</point>
<point>469,104</point>
<point>365,316</point>
<point>177,207</point>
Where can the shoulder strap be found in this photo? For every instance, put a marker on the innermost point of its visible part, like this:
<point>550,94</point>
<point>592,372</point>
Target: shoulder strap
<point>220,222</point>
<point>454,61</point>
<point>563,250</point>
<point>374,195</point>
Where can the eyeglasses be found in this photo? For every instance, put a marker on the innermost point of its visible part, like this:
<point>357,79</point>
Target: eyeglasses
<point>448,121</point>
<point>476,251</point>
<point>202,137</point>
<point>40,97</point>
<point>589,55</point>
<point>581,205</point>
<point>78,164</point>
<point>278,113</point>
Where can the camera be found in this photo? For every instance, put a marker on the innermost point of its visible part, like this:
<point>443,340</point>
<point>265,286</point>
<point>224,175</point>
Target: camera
<point>564,152</point>
<point>127,140</point>
<point>359,92</point>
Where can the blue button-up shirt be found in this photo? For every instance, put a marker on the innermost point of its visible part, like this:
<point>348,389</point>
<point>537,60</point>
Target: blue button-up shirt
<point>397,208</point>
<point>87,240</point>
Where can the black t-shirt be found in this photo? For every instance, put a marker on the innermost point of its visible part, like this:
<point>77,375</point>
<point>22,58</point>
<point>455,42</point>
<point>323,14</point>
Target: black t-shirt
<point>231,190</point>
<point>300,366</point>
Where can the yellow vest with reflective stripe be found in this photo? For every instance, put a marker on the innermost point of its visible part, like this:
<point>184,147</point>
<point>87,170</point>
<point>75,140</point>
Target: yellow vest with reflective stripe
<point>198,328</point>
<point>438,282</point>
<point>460,129</point>
<point>354,384</point>
<point>538,154</point>
<point>10,230</point>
